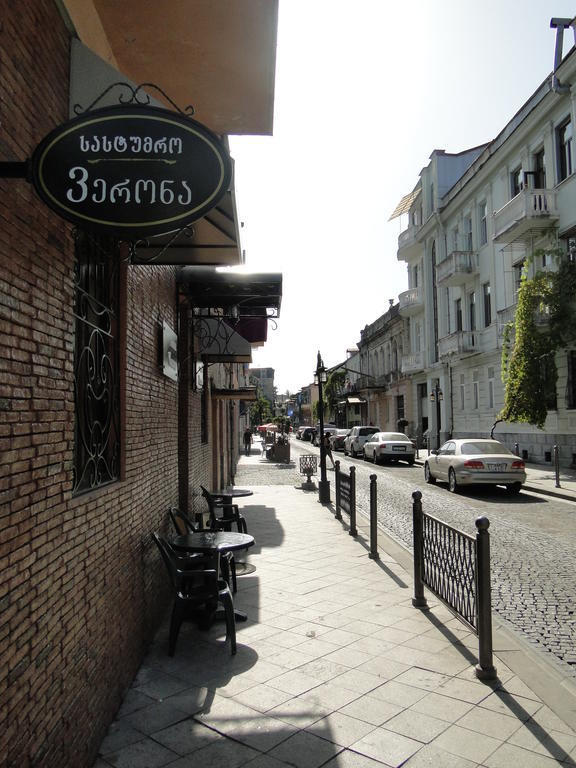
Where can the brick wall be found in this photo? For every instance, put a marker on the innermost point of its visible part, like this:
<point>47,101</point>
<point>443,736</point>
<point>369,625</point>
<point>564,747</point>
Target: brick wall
<point>81,588</point>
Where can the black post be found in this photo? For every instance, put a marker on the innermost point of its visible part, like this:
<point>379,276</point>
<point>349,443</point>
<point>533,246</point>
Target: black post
<point>353,530</point>
<point>557,465</point>
<point>419,601</point>
<point>438,395</point>
<point>373,519</point>
<point>323,485</point>
<point>337,481</point>
<point>485,669</point>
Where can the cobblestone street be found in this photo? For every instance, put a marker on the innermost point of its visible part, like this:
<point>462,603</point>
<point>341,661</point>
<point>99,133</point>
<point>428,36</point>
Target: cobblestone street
<point>533,539</point>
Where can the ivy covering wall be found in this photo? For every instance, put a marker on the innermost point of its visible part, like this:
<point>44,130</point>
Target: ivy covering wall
<point>545,321</point>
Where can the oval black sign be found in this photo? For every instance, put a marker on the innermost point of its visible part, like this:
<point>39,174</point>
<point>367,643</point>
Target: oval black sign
<point>131,171</point>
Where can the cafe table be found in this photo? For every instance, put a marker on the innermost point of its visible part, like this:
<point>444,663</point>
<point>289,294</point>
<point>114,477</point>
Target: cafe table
<point>209,541</point>
<point>227,494</point>
<point>232,493</point>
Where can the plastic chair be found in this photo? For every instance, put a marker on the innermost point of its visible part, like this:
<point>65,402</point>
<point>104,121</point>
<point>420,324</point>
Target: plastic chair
<point>183,525</point>
<point>230,513</point>
<point>195,588</point>
<point>181,522</point>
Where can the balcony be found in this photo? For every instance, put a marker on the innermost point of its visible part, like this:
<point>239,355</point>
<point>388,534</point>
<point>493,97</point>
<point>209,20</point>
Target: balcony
<point>531,210</point>
<point>408,244</point>
<point>457,268</point>
<point>372,382</point>
<point>411,302</point>
<point>413,363</point>
<point>460,343</point>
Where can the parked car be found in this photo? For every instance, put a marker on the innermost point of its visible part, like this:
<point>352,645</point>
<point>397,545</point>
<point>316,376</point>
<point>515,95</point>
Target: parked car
<point>475,461</point>
<point>307,433</point>
<point>355,439</point>
<point>337,439</point>
<point>329,429</point>
<point>389,446</point>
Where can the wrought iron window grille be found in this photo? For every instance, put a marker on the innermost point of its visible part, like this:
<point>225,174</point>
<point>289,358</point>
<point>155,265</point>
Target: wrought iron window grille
<point>97,445</point>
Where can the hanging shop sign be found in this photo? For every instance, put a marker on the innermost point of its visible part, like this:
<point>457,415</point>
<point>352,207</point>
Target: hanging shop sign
<point>131,171</point>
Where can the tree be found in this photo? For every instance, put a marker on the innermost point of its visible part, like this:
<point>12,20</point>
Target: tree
<point>260,412</point>
<point>333,390</point>
<point>528,366</point>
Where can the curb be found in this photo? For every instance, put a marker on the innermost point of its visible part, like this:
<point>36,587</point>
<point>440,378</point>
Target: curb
<point>544,491</point>
<point>567,496</point>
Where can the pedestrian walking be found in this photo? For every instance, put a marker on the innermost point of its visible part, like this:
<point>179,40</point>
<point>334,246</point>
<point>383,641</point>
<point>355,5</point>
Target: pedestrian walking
<point>247,441</point>
<point>328,449</point>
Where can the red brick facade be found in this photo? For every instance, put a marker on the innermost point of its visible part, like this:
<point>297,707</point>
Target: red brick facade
<point>81,588</point>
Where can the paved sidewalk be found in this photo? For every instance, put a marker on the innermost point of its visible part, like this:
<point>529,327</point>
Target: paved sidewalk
<point>336,668</point>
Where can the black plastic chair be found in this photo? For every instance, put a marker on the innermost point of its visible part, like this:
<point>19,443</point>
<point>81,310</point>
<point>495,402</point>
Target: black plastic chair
<point>183,525</point>
<point>230,513</point>
<point>181,522</point>
<point>195,588</point>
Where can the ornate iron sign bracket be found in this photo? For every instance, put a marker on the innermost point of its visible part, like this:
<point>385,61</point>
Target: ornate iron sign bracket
<point>132,171</point>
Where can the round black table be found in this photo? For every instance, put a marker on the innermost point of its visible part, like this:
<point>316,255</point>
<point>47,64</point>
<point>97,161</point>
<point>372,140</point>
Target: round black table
<point>208,541</point>
<point>227,494</point>
<point>233,493</point>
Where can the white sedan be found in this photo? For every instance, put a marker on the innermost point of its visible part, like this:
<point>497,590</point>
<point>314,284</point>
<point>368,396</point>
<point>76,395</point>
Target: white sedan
<point>475,461</point>
<point>389,446</point>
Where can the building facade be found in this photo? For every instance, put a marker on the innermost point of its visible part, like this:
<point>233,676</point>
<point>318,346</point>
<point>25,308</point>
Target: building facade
<point>477,222</point>
<point>265,379</point>
<point>110,412</point>
<point>383,384</point>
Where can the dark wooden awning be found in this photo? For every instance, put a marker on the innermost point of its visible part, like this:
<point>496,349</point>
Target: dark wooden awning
<point>248,294</point>
<point>242,393</point>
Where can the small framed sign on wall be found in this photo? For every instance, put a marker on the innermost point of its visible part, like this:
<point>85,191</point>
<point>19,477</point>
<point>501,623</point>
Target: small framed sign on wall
<point>169,352</point>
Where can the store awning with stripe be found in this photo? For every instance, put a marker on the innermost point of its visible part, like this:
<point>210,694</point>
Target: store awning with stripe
<point>405,203</point>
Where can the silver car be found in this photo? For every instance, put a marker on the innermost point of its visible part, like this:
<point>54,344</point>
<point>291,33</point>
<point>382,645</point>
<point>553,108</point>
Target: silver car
<point>475,461</point>
<point>355,439</point>
<point>389,446</point>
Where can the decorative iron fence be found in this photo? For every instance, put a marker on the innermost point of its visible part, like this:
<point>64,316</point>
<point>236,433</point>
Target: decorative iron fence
<point>456,568</point>
<point>346,496</point>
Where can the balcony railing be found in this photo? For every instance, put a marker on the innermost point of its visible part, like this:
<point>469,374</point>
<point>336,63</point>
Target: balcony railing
<point>411,302</point>
<point>531,209</point>
<point>457,267</point>
<point>459,343</point>
<point>413,363</point>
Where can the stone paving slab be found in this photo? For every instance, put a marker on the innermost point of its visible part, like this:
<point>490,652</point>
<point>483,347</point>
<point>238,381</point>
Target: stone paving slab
<point>335,667</point>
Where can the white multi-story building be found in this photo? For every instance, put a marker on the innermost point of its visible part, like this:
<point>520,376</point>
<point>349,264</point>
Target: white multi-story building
<point>474,219</point>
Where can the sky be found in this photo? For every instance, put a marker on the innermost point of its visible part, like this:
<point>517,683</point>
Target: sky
<point>364,92</point>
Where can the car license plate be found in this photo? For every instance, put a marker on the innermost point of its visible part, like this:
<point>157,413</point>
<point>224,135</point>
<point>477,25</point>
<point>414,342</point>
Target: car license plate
<point>398,448</point>
<point>497,467</point>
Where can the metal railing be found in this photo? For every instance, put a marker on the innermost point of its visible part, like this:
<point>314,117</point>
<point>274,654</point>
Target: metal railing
<point>346,496</point>
<point>456,568</point>
<point>453,565</point>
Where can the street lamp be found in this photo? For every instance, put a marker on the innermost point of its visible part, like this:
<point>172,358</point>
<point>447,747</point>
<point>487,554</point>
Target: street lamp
<point>436,396</point>
<point>320,379</point>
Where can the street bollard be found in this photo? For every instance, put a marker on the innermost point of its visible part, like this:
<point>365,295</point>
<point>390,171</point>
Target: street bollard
<point>353,530</point>
<point>338,497</point>
<point>557,465</point>
<point>373,519</point>
<point>418,601</point>
<point>485,669</point>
